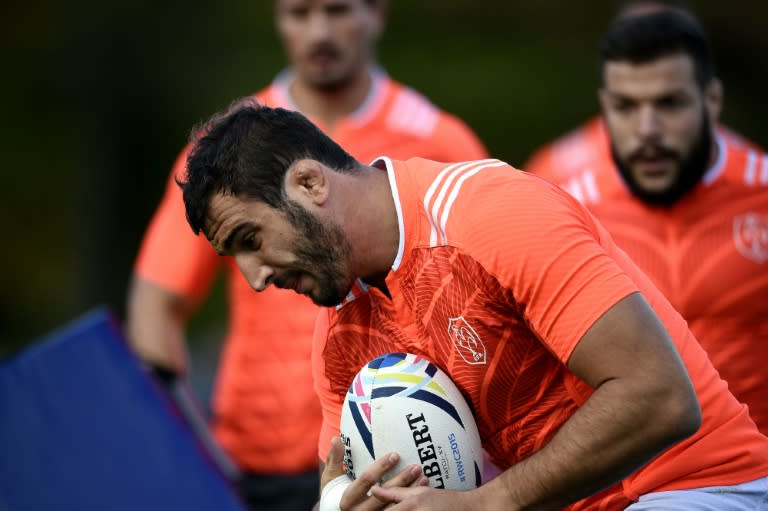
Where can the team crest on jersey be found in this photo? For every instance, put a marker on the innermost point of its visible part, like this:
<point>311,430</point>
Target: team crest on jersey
<point>469,345</point>
<point>750,234</point>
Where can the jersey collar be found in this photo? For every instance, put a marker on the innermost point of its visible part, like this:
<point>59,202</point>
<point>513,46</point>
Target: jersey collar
<point>365,112</point>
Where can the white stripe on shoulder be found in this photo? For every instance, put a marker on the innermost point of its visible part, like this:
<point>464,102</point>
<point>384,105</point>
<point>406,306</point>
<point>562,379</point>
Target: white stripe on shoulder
<point>718,167</point>
<point>756,169</point>
<point>449,182</point>
<point>749,170</point>
<point>433,212</point>
<point>583,187</point>
<point>413,113</point>
<point>764,171</point>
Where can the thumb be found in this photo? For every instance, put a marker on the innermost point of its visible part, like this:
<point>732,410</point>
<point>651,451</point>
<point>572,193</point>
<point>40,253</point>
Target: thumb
<point>333,466</point>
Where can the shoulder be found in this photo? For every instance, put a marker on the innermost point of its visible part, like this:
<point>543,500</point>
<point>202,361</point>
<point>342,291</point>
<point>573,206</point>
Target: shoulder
<point>270,95</point>
<point>489,201</point>
<point>568,155</point>
<point>411,113</point>
<point>740,161</point>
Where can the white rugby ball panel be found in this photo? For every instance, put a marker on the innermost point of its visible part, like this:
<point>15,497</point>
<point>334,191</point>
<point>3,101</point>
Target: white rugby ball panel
<point>403,403</point>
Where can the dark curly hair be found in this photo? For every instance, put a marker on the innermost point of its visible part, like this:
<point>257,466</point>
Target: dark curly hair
<point>642,38</point>
<point>246,151</point>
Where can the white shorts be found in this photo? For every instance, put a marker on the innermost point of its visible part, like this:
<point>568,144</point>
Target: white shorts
<point>752,496</point>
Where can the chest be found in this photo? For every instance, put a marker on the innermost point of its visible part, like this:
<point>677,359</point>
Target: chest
<point>708,256</point>
<point>447,308</point>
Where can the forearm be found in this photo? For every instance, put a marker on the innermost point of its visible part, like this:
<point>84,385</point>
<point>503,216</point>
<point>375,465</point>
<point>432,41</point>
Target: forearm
<point>615,432</point>
<point>155,323</point>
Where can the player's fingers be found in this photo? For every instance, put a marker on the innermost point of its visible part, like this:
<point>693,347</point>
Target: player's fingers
<point>357,495</point>
<point>409,476</point>
<point>422,480</point>
<point>396,494</point>
<point>333,465</point>
<point>376,471</point>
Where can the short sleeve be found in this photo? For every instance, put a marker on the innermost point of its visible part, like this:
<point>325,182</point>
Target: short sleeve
<point>541,244</point>
<point>455,141</point>
<point>540,162</point>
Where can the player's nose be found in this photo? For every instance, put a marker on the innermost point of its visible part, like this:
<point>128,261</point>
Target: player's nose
<point>258,274</point>
<point>648,123</point>
<point>319,27</point>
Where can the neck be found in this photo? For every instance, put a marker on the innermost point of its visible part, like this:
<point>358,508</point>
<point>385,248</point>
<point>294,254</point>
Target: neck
<point>331,105</point>
<point>714,153</point>
<point>371,224</point>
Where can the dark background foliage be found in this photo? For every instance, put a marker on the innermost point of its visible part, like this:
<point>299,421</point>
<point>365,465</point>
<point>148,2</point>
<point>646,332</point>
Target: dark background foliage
<point>97,99</point>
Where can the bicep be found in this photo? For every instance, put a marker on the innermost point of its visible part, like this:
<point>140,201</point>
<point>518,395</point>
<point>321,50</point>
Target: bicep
<point>551,258</point>
<point>627,341</point>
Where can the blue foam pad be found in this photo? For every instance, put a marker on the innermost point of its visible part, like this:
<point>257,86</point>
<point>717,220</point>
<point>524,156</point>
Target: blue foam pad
<point>84,427</point>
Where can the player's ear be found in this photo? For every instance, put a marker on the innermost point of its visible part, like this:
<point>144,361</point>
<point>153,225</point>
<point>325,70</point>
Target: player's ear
<point>307,181</point>
<point>602,99</point>
<point>713,98</point>
<point>379,11</point>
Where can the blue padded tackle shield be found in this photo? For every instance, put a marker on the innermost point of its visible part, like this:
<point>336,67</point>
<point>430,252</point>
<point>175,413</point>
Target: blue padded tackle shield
<point>84,427</point>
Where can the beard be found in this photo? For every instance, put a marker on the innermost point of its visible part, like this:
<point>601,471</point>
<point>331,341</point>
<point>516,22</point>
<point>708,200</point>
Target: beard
<point>692,168</point>
<point>325,250</point>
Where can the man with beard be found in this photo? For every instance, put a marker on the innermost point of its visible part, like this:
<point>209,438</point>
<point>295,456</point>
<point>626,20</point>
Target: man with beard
<point>686,198</point>
<point>586,385</point>
<point>266,415</point>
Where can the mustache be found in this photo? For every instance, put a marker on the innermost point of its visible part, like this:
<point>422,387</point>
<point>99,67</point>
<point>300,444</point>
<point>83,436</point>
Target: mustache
<point>285,280</point>
<point>325,49</point>
<point>658,151</point>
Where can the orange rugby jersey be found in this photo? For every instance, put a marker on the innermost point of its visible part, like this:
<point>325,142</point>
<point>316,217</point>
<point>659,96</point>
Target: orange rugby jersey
<point>265,411</point>
<point>708,253</point>
<point>497,277</point>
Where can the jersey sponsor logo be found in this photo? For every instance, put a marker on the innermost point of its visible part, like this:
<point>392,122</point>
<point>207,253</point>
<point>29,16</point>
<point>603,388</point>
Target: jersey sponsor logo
<point>750,235</point>
<point>467,342</point>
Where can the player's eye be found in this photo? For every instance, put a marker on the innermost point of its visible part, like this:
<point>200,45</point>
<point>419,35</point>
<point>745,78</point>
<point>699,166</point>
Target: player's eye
<point>338,9</point>
<point>672,103</point>
<point>623,105</point>
<point>298,12</point>
<point>249,242</point>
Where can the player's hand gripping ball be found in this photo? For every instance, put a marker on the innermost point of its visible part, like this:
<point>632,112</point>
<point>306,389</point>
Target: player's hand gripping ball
<point>403,403</point>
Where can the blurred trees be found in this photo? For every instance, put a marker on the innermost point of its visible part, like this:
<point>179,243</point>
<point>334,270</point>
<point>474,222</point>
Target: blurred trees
<point>98,99</point>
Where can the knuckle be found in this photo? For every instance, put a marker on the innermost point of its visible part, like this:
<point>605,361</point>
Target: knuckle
<point>367,479</point>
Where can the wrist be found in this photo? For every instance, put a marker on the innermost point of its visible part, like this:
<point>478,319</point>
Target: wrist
<point>332,492</point>
<point>493,495</point>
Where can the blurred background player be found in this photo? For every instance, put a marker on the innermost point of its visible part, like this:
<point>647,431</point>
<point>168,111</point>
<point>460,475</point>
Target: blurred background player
<point>685,197</point>
<point>265,413</point>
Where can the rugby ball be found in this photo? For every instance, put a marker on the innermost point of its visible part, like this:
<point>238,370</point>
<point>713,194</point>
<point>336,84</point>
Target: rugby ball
<point>400,402</point>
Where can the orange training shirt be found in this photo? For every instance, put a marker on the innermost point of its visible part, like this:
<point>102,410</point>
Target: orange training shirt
<point>266,414</point>
<point>708,253</point>
<point>525,270</point>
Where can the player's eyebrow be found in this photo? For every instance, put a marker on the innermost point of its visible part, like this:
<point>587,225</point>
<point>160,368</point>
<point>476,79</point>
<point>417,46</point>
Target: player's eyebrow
<point>226,246</point>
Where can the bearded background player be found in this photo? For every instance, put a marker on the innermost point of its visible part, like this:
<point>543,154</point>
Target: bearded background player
<point>266,414</point>
<point>685,197</point>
